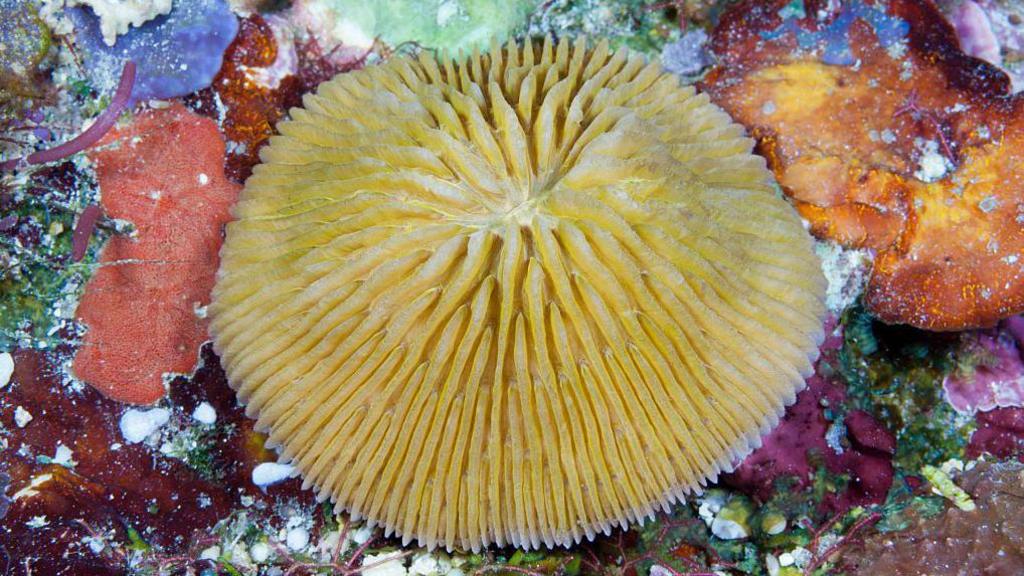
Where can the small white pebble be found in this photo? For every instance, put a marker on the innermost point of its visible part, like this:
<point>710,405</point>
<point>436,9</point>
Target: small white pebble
<point>270,473</point>
<point>136,425</point>
<point>97,545</point>
<point>933,166</point>
<point>801,556</point>
<point>361,535</point>
<point>427,565</point>
<point>37,522</point>
<point>988,204</point>
<point>384,564</point>
<point>727,529</point>
<point>203,179</point>
<point>6,368</point>
<point>63,456</point>
<point>204,413</point>
<point>22,417</point>
<point>297,538</point>
<point>239,554</point>
<point>659,570</point>
<point>211,553</point>
<point>259,552</point>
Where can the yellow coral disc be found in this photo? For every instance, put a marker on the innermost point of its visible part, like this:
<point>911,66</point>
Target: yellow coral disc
<point>517,299</point>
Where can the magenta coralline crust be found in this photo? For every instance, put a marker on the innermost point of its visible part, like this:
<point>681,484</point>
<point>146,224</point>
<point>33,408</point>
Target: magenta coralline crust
<point>865,452</point>
<point>1000,433</point>
<point>997,383</point>
<point>177,53</point>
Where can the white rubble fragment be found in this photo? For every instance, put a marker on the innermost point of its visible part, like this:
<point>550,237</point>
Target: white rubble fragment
<point>30,490</point>
<point>932,165</point>
<point>710,505</point>
<point>62,456</point>
<point>96,543</point>
<point>433,564</point>
<point>798,557</point>
<point>259,552</point>
<point>240,555</point>
<point>426,565</point>
<point>387,564</point>
<point>727,529</point>
<point>117,15</point>
<point>205,413</point>
<point>22,417</point>
<point>211,553</point>
<point>6,368</point>
<point>361,535</point>
<point>847,271</point>
<point>297,538</point>
<point>137,425</point>
<point>270,473</point>
<point>37,522</point>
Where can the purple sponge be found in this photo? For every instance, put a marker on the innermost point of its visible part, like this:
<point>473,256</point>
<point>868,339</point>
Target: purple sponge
<point>176,54</point>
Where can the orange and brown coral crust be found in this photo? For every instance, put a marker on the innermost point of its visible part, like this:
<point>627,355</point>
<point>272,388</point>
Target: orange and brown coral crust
<point>249,110</point>
<point>164,174</point>
<point>910,148</point>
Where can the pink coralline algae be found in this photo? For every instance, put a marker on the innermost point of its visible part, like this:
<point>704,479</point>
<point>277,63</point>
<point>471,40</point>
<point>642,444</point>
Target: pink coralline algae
<point>1000,433</point>
<point>864,451</point>
<point>995,378</point>
<point>991,30</point>
<point>143,307</point>
<point>975,32</point>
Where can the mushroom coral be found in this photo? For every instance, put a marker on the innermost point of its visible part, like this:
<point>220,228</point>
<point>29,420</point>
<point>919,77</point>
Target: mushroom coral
<point>888,137</point>
<point>518,298</point>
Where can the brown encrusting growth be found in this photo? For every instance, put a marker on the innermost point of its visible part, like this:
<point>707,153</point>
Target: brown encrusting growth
<point>988,539</point>
<point>516,299</point>
<point>888,137</point>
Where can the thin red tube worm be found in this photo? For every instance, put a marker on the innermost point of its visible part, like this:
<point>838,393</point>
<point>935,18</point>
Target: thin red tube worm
<point>83,230</point>
<point>92,134</point>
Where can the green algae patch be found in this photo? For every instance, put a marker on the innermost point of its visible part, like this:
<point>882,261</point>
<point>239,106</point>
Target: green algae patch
<point>24,43</point>
<point>39,283</point>
<point>896,373</point>
<point>440,24</point>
